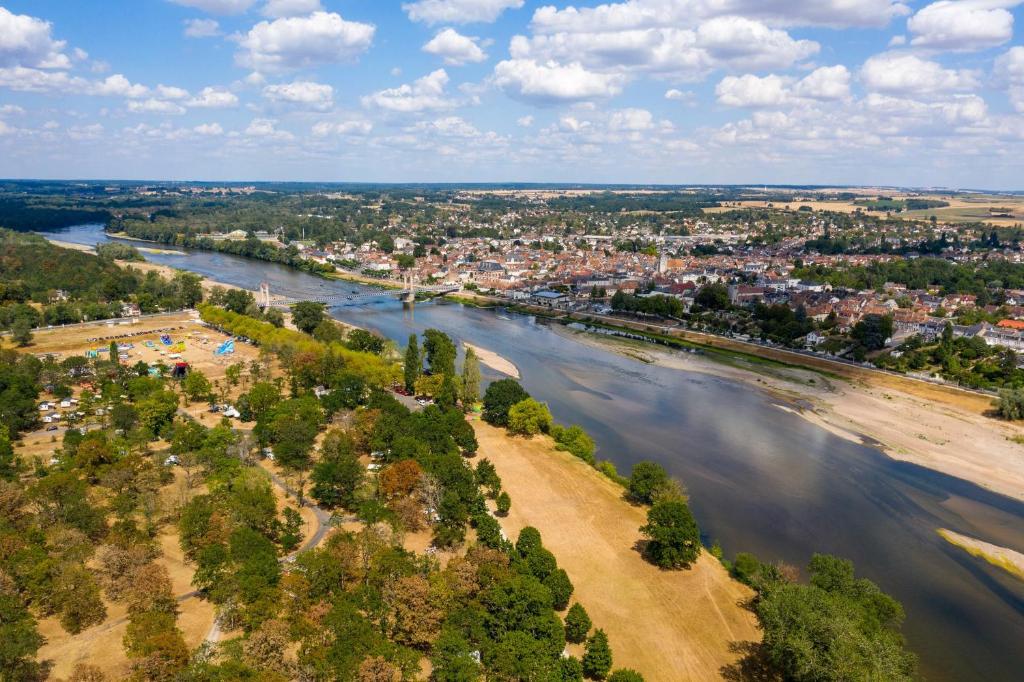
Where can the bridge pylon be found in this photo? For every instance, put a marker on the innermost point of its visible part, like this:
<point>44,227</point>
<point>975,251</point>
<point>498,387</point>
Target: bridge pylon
<point>264,300</point>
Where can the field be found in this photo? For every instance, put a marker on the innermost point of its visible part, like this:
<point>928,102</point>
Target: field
<point>668,625</point>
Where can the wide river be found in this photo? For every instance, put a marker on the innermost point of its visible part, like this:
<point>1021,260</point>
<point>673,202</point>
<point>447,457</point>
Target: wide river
<point>760,479</point>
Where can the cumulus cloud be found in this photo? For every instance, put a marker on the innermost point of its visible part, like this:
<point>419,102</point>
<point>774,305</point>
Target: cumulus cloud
<point>962,25</point>
<point>524,121</point>
<point>267,128</point>
<point>751,91</point>
<point>458,11</point>
<point>1009,71</point>
<point>208,129</point>
<point>218,6</point>
<point>825,83</point>
<point>27,41</point>
<point>424,94</point>
<point>308,93</point>
<point>290,8</point>
<point>171,92</point>
<point>642,14</point>
<point>303,42</point>
<point>213,98</point>
<point>201,28</point>
<point>552,83</point>
<point>350,127</point>
<point>118,86</point>
<point>455,48</point>
<point>908,74</point>
<point>732,42</point>
<point>155,106</point>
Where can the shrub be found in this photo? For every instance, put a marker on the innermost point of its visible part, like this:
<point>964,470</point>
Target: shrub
<point>529,417</point>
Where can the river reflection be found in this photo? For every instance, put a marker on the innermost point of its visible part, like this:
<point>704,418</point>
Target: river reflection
<point>760,478</point>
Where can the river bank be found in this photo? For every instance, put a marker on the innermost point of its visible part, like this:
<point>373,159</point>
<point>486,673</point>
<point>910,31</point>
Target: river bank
<point>942,431</point>
<point>668,625</point>
<point>494,361</point>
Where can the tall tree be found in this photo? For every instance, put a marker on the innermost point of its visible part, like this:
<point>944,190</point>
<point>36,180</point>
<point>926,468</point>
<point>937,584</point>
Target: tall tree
<point>413,363</point>
<point>597,658</point>
<point>306,315</point>
<point>673,536</point>
<point>440,352</point>
<point>470,378</point>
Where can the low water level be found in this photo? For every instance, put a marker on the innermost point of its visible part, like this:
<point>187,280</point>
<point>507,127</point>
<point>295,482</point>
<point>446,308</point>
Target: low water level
<point>760,479</point>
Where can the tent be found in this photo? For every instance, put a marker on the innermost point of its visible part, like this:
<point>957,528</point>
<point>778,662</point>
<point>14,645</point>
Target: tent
<point>180,370</point>
<point>226,348</point>
<point>165,339</point>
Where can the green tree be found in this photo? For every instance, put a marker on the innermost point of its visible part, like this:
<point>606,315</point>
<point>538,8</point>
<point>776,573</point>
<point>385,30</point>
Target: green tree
<point>8,461</point>
<point>625,675</point>
<point>306,315</point>
<point>274,317</point>
<point>338,474</point>
<point>19,637</point>
<point>413,364</point>
<point>713,297</point>
<point>561,588</point>
<point>577,623</point>
<point>470,378</point>
<point>21,331</point>
<point>196,386</point>
<point>499,399</point>
<point>1010,405</point>
<point>646,480</point>
<point>529,417</point>
<point>504,503</point>
<point>597,656</point>
<point>440,351</point>
<point>672,533</point>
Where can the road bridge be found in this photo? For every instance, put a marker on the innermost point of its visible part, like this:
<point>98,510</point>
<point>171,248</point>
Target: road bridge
<point>407,293</point>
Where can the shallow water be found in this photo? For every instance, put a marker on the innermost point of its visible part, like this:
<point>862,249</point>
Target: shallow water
<point>761,479</point>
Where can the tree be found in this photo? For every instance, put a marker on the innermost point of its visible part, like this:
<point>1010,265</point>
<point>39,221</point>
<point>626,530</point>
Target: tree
<point>577,623</point>
<point>378,669</point>
<point>440,352</point>
<point>21,331</point>
<point>238,300</point>
<point>470,378</point>
<point>561,588</point>
<point>625,675</point>
<point>713,297</point>
<point>873,331</point>
<point>400,479</point>
<point>413,364</point>
<point>336,479</point>
<point>78,597</point>
<point>196,386</point>
<point>597,657</point>
<point>365,342</point>
<point>8,460</point>
<point>265,648</point>
<point>529,417</point>
<point>1010,405</point>
<point>19,637</point>
<point>326,331</point>
<point>447,396</point>
<point>499,399</point>
<point>646,480</point>
<point>274,317</point>
<point>673,536</point>
<point>306,315</point>
<point>504,503</point>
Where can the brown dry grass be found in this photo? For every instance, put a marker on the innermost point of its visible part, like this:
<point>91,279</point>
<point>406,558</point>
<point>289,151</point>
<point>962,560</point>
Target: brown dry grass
<point>669,625</point>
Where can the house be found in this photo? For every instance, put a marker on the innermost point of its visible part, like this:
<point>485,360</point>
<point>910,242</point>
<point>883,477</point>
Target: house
<point>551,299</point>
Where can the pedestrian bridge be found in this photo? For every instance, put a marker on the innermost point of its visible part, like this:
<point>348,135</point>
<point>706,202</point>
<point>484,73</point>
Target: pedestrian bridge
<point>407,294</point>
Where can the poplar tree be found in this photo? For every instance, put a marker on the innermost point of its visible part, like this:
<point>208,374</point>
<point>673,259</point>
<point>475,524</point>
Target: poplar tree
<point>470,378</point>
<point>413,364</point>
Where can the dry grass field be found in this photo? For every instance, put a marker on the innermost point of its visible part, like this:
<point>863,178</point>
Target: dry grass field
<point>668,625</point>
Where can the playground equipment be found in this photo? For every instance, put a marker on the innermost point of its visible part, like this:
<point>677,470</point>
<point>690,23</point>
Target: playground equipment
<point>225,348</point>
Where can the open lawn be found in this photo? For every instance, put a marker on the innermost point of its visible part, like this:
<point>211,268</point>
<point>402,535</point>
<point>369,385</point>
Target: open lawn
<point>669,625</point>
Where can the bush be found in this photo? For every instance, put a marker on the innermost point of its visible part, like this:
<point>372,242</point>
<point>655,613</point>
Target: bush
<point>625,675</point>
<point>504,503</point>
<point>645,482</point>
<point>529,417</point>
<point>574,439</point>
<point>673,536</point>
<point>608,469</point>
<point>1010,405</point>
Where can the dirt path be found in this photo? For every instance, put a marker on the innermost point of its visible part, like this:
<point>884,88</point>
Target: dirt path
<point>669,625</point>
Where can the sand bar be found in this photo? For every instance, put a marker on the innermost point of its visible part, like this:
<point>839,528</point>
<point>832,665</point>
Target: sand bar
<point>494,361</point>
<point>1009,560</point>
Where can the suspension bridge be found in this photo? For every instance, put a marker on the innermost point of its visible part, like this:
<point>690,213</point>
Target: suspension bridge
<point>406,294</point>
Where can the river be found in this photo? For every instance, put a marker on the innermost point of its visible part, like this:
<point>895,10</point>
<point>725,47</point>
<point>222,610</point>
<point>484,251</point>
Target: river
<point>760,479</point>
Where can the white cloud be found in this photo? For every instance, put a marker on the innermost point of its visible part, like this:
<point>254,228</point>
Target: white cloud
<point>456,48</point>
<point>5,129</point>
<point>631,120</point>
<point>458,11</point>
<point>751,91</point>
<point>290,8</point>
<point>424,94</point>
<point>208,129</point>
<point>303,42</point>
<point>85,132</point>
<point>550,82</point>
<point>201,28</point>
<point>1009,66</point>
<point>732,42</point>
<point>825,83</point>
<point>313,95</point>
<point>171,92</point>
<point>26,41</point>
<point>524,121</point>
<point>11,110</point>
<point>155,106</point>
<point>118,86</point>
<point>908,74</point>
<point>267,127</point>
<point>352,127</point>
<point>213,98</point>
<point>218,6</point>
<point>642,14</point>
<point>677,95</point>
<point>962,25</point>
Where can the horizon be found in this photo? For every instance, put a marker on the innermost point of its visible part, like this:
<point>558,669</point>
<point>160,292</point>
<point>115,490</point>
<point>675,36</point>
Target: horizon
<point>635,92</point>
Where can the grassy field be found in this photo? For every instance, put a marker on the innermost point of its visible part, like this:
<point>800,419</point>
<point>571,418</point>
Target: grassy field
<point>669,625</point>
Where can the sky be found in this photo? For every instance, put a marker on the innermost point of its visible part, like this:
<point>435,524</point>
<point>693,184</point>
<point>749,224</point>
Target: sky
<point>854,92</point>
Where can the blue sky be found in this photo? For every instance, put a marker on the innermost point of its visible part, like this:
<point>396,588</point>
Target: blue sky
<point>647,91</point>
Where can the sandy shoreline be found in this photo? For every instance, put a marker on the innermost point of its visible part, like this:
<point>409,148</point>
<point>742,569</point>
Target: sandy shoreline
<point>947,434</point>
<point>494,361</point>
<point>1007,559</point>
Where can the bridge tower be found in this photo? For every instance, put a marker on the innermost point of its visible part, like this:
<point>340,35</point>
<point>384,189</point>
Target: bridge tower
<point>409,285</point>
<point>264,301</point>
